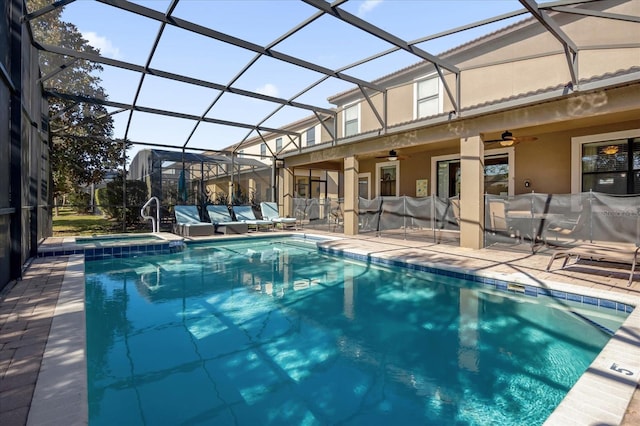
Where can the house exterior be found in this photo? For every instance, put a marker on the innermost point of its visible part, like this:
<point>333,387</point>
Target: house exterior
<point>519,110</point>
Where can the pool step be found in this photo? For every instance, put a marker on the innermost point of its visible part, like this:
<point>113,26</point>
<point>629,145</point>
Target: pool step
<point>599,326</point>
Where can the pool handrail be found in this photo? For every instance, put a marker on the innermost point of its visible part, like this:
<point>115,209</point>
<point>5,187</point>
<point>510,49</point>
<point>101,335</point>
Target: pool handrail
<point>155,222</point>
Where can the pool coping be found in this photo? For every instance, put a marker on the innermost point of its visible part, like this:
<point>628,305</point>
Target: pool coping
<point>60,395</point>
<point>601,395</point>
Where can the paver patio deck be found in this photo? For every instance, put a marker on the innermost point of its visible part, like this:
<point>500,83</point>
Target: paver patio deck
<point>27,307</point>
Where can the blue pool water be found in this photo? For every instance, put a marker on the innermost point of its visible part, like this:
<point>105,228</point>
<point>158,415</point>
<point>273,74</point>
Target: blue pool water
<point>272,332</point>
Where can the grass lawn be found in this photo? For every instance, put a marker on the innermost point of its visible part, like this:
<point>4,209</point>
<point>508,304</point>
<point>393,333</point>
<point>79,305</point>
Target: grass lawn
<point>69,223</point>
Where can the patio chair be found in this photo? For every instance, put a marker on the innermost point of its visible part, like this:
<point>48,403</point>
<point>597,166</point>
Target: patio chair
<point>499,223</point>
<point>451,211</point>
<point>618,253</point>
<point>563,227</point>
<point>336,216</point>
<point>221,219</point>
<point>245,214</point>
<point>269,211</point>
<point>455,208</point>
<point>188,223</point>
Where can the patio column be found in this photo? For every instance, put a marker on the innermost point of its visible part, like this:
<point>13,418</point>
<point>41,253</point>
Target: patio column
<point>251,191</point>
<point>471,192</point>
<point>285,192</point>
<point>351,167</point>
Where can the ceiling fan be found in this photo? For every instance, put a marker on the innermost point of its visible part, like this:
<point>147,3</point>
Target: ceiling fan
<point>393,156</point>
<point>507,139</point>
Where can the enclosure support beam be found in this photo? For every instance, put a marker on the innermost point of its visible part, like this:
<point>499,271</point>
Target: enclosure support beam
<point>285,190</point>
<point>471,192</point>
<point>208,32</point>
<point>351,167</point>
<point>15,129</point>
<point>274,179</point>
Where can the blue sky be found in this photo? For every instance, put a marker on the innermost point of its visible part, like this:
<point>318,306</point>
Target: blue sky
<point>327,42</point>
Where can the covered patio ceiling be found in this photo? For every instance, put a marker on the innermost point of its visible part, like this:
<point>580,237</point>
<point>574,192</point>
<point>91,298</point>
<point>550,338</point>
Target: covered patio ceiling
<point>208,75</point>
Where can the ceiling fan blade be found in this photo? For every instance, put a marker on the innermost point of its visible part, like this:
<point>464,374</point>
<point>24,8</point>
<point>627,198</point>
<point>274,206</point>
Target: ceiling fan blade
<point>526,138</point>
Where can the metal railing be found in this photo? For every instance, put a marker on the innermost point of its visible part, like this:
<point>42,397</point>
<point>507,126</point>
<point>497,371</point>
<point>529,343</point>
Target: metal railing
<point>155,222</point>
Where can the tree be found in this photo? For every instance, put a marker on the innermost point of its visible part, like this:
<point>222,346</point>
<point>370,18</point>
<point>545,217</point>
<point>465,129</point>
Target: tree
<point>110,199</point>
<point>81,133</point>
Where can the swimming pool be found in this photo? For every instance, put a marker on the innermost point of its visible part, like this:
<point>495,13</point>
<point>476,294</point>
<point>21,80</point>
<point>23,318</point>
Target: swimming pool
<point>118,239</point>
<point>270,331</point>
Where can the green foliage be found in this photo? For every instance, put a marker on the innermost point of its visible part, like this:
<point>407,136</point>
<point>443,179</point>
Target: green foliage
<point>221,198</point>
<point>80,201</point>
<point>240,198</point>
<point>110,199</point>
<point>82,149</point>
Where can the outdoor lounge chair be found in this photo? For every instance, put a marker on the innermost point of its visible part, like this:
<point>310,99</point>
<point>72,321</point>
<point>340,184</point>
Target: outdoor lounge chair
<point>245,214</point>
<point>221,219</point>
<point>497,216</point>
<point>188,223</point>
<point>499,223</point>
<point>270,212</point>
<point>622,253</point>
<point>564,227</point>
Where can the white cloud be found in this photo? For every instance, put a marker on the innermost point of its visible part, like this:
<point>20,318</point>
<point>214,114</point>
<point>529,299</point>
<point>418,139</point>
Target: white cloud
<point>268,89</point>
<point>368,6</point>
<point>105,46</point>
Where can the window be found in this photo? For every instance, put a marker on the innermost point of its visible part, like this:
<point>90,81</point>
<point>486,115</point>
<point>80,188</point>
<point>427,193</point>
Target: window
<point>498,169</point>
<point>611,167</point>
<point>428,100</point>
<point>278,145</point>
<point>608,163</point>
<point>351,122</point>
<point>311,136</point>
<point>241,153</point>
<point>263,151</point>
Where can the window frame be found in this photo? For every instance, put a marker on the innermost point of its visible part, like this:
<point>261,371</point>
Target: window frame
<point>278,145</point>
<point>576,152</point>
<point>416,99</point>
<point>509,151</point>
<point>355,105</point>
<point>310,130</point>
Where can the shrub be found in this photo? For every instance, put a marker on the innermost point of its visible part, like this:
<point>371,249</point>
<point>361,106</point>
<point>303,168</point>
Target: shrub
<point>79,201</point>
<point>109,199</point>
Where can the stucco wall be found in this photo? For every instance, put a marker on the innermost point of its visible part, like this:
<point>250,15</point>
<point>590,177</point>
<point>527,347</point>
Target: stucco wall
<point>525,60</point>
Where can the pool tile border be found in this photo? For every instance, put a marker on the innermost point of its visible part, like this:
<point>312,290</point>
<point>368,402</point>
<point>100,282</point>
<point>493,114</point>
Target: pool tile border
<point>116,252</point>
